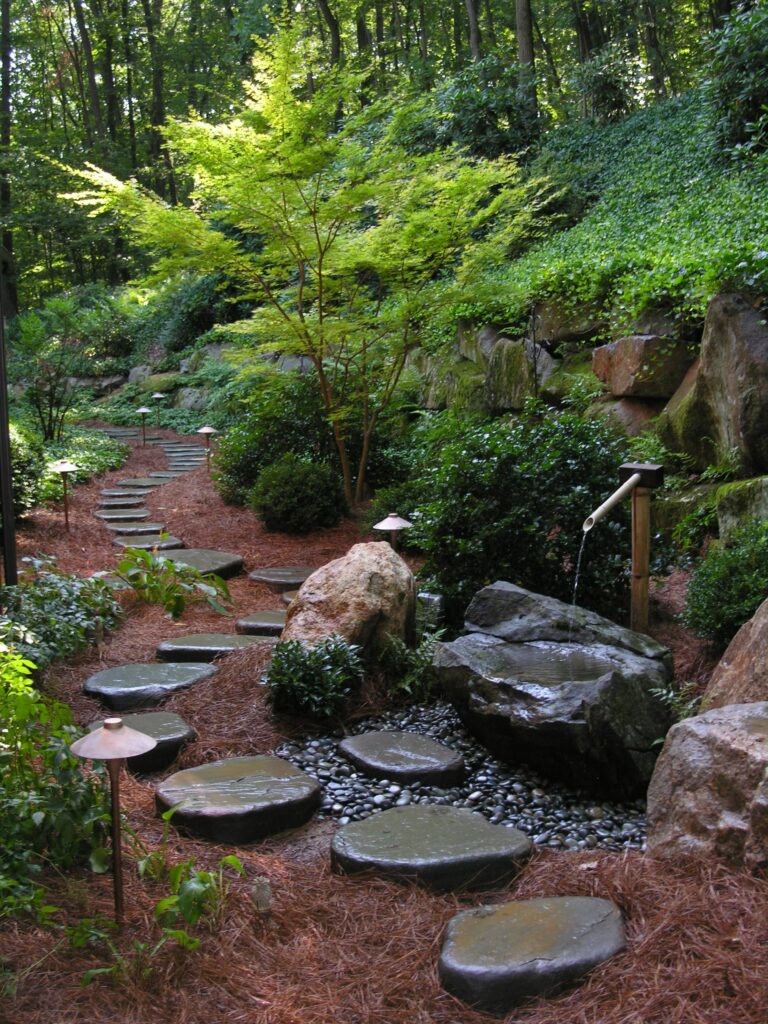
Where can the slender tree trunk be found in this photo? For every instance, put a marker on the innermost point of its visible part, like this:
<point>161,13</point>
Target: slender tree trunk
<point>458,32</point>
<point>720,9</point>
<point>547,50</point>
<point>474,29</point>
<point>652,48</point>
<point>10,296</point>
<point>128,55</point>
<point>423,33</point>
<point>489,21</point>
<point>74,50</point>
<point>525,54</point>
<point>90,68</point>
<point>106,20</point>
<point>334,31</point>
<point>192,63</point>
<point>153,14</point>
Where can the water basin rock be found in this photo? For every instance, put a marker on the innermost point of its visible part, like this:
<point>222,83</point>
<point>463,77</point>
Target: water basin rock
<point>282,577</point>
<point>116,515</point>
<point>709,792</point>
<point>162,542</point>
<point>404,757</point>
<point>267,622</point>
<point>130,527</point>
<point>131,686</point>
<point>741,675</point>
<point>582,711</point>
<point>497,957</point>
<point>442,847</point>
<point>170,732</point>
<point>207,646</point>
<point>241,799</point>
<point>364,596</point>
<point>222,563</point>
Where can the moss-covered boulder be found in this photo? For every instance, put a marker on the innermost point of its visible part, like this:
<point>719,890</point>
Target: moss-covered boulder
<point>739,502</point>
<point>516,369</point>
<point>163,382</point>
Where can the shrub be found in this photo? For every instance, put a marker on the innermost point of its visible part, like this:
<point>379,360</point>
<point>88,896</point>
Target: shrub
<point>27,464</point>
<point>408,670</point>
<point>158,580</point>
<point>90,450</point>
<point>508,502</point>
<point>728,585</point>
<point>297,497</point>
<point>313,681</point>
<point>738,88</point>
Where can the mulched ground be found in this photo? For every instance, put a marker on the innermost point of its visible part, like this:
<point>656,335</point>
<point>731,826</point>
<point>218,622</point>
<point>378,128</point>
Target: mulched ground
<point>335,950</point>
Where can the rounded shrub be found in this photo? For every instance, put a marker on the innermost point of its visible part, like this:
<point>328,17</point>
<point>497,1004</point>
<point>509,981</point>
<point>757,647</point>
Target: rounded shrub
<point>313,681</point>
<point>297,497</point>
<point>27,464</point>
<point>728,585</point>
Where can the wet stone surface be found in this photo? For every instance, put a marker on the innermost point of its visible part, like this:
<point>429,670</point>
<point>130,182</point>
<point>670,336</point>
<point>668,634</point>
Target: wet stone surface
<point>222,563</point>
<point>116,515</point>
<point>147,543</point>
<point>270,623</point>
<point>131,686</point>
<point>170,732</point>
<point>552,814</point>
<point>405,757</point>
<point>281,578</point>
<point>139,481</point>
<point>206,646</point>
<point>135,528</point>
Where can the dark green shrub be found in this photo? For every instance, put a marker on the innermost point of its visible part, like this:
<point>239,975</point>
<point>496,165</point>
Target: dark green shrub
<point>728,585</point>
<point>297,497</point>
<point>27,464</point>
<point>408,670</point>
<point>508,502</point>
<point>738,88</point>
<point>313,681</point>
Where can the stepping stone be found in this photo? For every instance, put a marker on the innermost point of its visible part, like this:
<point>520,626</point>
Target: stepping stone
<point>207,646</point>
<point>134,686</point>
<point>282,577</point>
<point>404,757</point>
<point>123,492</point>
<point>223,563</point>
<point>135,528</point>
<point>164,475</point>
<point>169,730</point>
<point>121,431</point>
<point>269,623</point>
<point>121,502</point>
<point>497,957</point>
<point>442,847</point>
<point>139,481</point>
<point>151,540</point>
<point>240,800</point>
<point>115,515</point>
<point>288,596</point>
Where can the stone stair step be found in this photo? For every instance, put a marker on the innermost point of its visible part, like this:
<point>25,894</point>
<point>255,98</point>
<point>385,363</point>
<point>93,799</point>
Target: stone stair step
<point>121,502</point>
<point>280,578</point>
<point>269,623</point>
<point>115,515</point>
<point>170,732</point>
<point>139,685</point>
<point>207,646</point>
<point>222,563</point>
<point>404,757</point>
<point>123,492</point>
<point>135,528</point>
<point>149,541</point>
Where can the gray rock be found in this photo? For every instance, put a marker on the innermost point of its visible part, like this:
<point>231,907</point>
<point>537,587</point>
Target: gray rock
<point>139,481</point>
<point>741,675</point>
<point>404,757</point>
<point>240,800</point>
<point>516,370</point>
<point>268,623</point>
<point>739,502</point>
<point>222,563</point>
<point>139,373</point>
<point>282,577</point>
<point>161,542</point>
<point>442,847</point>
<point>131,686</point>
<point>497,957</point>
<point>194,399</point>
<point>123,492</point>
<point>170,733</point>
<point>127,502</point>
<point>134,528</point>
<point>117,515</point>
<point>206,646</point>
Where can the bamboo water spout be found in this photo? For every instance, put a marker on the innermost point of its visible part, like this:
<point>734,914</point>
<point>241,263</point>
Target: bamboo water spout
<point>637,479</point>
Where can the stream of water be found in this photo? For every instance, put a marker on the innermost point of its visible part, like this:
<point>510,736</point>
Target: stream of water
<point>576,580</point>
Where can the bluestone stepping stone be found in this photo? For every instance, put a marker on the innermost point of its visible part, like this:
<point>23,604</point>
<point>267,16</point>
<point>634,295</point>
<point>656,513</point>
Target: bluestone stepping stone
<point>115,515</point>
<point>170,731</point>
<point>222,563</point>
<point>269,623</point>
<point>134,686</point>
<point>139,481</point>
<point>240,800</point>
<point>123,492</point>
<point>443,847</point>
<point>164,475</point>
<point>121,431</point>
<point>206,646</point>
<point>121,502</point>
<point>135,528</point>
<point>495,958</point>
<point>149,541</point>
<point>280,578</point>
<point>404,757</point>
<point>288,596</point>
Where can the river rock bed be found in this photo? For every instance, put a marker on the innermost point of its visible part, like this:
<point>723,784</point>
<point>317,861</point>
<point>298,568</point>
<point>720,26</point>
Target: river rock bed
<point>512,795</point>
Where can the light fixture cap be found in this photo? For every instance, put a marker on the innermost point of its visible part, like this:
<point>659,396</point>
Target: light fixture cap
<point>158,394</point>
<point>144,410</point>
<point>393,522</point>
<point>113,741</point>
<point>62,466</point>
<point>207,430</point>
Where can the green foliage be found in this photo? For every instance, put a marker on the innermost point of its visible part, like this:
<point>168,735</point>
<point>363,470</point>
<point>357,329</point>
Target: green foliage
<point>728,468</point>
<point>90,450</point>
<point>408,670</point>
<point>508,501</point>
<point>581,392</point>
<point>694,528</point>
<point>611,83</point>
<point>298,497</point>
<point>50,812</point>
<point>27,465</point>
<point>58,613</point>
<point>197,895</point>
<point>728,585</point>
<point>683,700</point>
<point>738,86</point>
<point>158,580</point>
<point>313,681</point>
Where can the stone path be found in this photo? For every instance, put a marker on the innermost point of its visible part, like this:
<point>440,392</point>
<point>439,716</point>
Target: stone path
<point>404,757</point>
<point>137,685</point>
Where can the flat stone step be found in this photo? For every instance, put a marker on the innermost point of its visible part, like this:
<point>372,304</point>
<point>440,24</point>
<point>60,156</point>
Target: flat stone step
<point>280,578</point>
<point>123,492</point>
<point>222,563</point>
<point>497,957</point>
<point>170,731</point>
<point>288,596</point>
<point>404,757</point>
<point>240,800</point>
<point>166,474</point>
<point>207,646</point>
<point>115,515</point>
<point>121,502</point>
<point>444,848</point>
<point>269,623</point>
<point>133,686</point>
<point>149,541</point>
<point>121,431</point>
<point>139,481</point>
<point>136,529</point>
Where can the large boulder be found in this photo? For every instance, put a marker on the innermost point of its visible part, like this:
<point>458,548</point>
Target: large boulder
<point>557,322</point>
<point>558,687</point>
<point>741,676</point>
<point>516,370</point>
<point>365,595</point>
<point>726,405</point>
<point>739,502</point>
<point>641,366</point>
<point>709,792</point>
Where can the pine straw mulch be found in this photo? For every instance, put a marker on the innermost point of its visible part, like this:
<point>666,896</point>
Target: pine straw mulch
<point>338,950</point>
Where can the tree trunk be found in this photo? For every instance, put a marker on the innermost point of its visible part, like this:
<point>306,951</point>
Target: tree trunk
<point>333,28</point>
<point>458,36</point>
<point>128,54</point>
<point>90,69</point>
<point>720,9</point>
<point>10,299</point>
<point>192,63</point>
<point>474,29</point>
<point>652,48</point>
<point>525,54</point>
<point>153,14</point>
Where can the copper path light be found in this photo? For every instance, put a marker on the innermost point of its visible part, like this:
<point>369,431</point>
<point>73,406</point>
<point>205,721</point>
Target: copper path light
<point>143,413</point>
<point>65,467</point>
<point>394,523</point>
<point>113,742</point>
<point>207,433</point>
<point>158,396</point>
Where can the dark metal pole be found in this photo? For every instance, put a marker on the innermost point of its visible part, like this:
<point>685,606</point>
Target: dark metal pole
<point>66,505</point>
<point>114,765</point>
<point>10,572</point>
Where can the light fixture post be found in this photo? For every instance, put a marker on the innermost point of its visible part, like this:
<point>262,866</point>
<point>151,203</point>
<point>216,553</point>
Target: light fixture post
<point>143,413</point>
<point>394,524</point>
<point>207,433</point>
<point>64,467</point>
<point>158,396</point>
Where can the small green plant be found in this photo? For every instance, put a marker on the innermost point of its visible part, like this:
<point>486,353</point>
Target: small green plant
<point>408,670</point>
<point>693,529</point>
<point>197,895</point>
<point>313,681</point>
<point>728,468</point>
<point>298,497</point>
<point>158,580</point>
<point>582,391</point>
<point>683,701</point>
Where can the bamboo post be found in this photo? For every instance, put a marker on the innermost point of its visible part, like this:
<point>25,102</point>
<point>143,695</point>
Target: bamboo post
<point>641,551</point>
